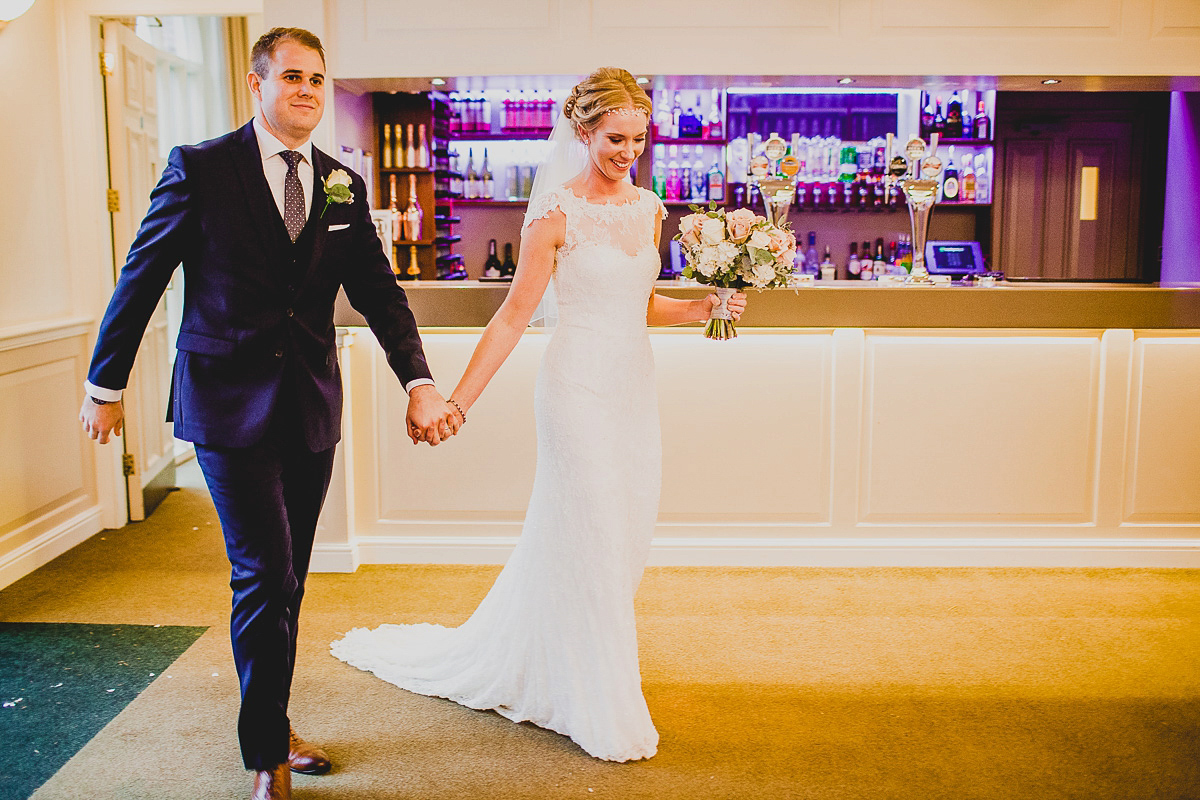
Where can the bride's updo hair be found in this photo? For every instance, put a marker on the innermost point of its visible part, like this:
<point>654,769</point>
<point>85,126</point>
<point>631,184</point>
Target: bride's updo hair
<point>606,89</point>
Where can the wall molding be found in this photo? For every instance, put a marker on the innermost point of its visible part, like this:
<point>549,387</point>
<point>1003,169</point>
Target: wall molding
<point>15,337</point>
<point>798,552</point>
<point>49,545</point>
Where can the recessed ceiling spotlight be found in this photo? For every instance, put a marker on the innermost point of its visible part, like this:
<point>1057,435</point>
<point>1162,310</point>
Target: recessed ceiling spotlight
<point>438,81</point>
<point>1051,81</point>
<point>643,80</point>
<point>845,81</point>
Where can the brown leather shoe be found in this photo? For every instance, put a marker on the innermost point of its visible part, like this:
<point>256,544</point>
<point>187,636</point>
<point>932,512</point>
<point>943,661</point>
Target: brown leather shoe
<point>304,758</point>
<point>273,784</point>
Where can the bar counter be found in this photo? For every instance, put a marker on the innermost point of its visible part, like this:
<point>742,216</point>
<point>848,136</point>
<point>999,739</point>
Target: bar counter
<point>847,425</point>
<point>841,304</point>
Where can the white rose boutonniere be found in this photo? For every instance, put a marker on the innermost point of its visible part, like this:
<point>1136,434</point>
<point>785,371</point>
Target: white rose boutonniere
<point>337,189</point>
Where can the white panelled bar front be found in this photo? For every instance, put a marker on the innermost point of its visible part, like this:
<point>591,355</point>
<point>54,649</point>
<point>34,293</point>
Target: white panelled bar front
<point>820,446</point>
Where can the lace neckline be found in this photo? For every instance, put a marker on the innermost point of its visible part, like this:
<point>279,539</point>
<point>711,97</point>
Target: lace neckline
<point>570,193</point>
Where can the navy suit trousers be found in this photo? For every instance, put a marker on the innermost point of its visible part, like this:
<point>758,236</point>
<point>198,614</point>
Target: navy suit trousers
<point>268,497</point>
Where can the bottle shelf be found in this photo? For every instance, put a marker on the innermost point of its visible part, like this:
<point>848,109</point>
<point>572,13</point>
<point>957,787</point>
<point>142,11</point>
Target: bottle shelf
<point>488,136</point>
<point>417,243</point>
<point>405,170</point>
<point>690,140</point>
<point>944,140</point>
<point>489,202</point>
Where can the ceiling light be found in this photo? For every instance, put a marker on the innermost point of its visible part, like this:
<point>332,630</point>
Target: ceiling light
<point>643,80</point>
<point>438,81</point>
<point>845,81</point>
<point>1051,81</point>
<point>11,9</point>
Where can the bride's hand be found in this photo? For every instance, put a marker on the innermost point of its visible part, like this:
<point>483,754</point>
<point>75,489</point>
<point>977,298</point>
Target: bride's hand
<point>736,304</point>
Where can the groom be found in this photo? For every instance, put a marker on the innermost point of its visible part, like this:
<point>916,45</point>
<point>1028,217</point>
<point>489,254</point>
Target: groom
<point>256,386</point>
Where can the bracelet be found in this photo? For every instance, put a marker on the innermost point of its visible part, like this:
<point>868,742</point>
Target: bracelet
<point>461,413</point>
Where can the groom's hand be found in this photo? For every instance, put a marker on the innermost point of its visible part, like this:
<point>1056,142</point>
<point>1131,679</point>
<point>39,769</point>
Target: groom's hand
<point>99,421</point>
<point>430,418</point>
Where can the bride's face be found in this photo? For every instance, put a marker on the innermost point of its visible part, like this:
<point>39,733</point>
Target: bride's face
<point>617,142</point>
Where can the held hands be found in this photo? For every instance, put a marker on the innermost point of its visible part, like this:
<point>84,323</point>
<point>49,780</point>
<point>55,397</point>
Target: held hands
<point>431,418</point>
<point>99,421</point>
<point>736,305</point>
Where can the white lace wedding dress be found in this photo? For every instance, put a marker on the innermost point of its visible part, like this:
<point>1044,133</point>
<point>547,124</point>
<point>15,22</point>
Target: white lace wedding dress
<point>554,641</point>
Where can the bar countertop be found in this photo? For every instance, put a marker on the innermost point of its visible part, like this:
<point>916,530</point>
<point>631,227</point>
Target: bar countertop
<point>853,304</point>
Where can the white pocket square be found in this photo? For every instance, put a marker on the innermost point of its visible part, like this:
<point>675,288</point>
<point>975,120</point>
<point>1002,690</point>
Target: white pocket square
<point>339,227</point>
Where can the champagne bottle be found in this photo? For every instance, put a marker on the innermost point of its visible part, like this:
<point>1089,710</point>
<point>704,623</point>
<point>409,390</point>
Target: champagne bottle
<point>492,267</point>
<point>414,269</point>
<point>398,158</point>
<point>472,188</point>
<point>509,267</point>
<point>410,147</point>
<point>412,213</point>
<point>397,220</point>
<point>387,146</point>
<point>422,148</point>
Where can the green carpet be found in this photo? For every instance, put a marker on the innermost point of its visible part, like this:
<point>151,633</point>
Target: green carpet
<point>60,683</point>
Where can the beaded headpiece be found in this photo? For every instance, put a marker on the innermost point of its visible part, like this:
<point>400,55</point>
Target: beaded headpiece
<point>627,112</point>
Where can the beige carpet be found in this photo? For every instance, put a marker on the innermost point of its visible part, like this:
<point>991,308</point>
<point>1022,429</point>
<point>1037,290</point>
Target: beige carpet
<point>764,683</point>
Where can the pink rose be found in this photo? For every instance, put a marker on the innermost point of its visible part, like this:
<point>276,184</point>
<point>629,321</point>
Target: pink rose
<point>778,240</point>
<point>689,239</point>
<point>690,223</point>
<point>739,222</point>
<point>786,257</point>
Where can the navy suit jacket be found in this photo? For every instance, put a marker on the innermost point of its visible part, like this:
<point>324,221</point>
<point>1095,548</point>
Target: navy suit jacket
<point>257,321</point>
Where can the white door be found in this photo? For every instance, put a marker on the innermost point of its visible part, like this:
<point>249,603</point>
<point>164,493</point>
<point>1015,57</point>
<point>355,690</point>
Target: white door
<point>132,120</point>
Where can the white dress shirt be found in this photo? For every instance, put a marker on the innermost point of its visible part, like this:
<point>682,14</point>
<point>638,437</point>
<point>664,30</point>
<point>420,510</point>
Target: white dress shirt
<point>275,169</point>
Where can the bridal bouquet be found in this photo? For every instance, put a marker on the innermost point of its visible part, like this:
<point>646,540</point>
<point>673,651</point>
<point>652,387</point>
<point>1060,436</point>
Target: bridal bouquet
<point>733,251</point>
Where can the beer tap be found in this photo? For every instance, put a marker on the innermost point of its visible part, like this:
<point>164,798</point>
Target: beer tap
<point>917,174</point>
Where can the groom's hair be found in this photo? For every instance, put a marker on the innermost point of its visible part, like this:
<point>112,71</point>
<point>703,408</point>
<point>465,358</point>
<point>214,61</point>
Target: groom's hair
<point>264,48</point>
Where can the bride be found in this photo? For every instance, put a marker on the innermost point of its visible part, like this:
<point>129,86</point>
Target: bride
<point>554,641</point>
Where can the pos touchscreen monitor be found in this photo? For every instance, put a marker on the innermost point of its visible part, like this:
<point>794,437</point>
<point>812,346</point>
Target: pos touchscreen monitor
<point>954,258</point>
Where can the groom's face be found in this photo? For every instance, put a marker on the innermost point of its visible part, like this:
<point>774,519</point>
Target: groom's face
<point>291,98</point>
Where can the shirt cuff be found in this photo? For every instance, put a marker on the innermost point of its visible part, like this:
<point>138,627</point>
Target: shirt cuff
<point>100,393</point>
<point>408,387</point>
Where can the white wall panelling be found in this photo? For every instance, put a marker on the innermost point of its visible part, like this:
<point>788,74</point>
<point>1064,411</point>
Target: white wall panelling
<point>825,447</point>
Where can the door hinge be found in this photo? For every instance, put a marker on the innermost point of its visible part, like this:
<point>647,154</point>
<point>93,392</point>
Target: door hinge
<point>127,464</point>
<point>108,63</point>
<point>114,201</point>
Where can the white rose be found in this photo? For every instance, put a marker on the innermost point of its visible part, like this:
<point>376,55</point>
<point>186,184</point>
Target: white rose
<point>339,177</point>
<point>760,239</point>
<point>712,230</point>
<point>726,252</point>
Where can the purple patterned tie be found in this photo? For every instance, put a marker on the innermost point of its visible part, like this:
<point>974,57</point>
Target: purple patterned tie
<point>293,195</point>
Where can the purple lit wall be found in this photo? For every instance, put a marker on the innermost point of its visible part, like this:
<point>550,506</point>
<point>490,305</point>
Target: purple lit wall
<point>1181,223</point>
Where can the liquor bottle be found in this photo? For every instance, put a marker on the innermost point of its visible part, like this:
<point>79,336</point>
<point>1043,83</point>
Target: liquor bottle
<point>983,124</point>
<point>812,264</point>
<point>456,182</point>
<point>472,187</point>
<point>983,181</point>
<point>412,212</point>
<point>954,118</point>
<point>485,113</point>
<point>676,113</point>
<point>926,115</point>
<point>950,185</point>
<point>410,147</point>
<point>506,122</point>
<point>828,268</point>
<point>422,148</point>
<point>968,125</point>
<point>387,146</point>
<point>853,267</point>
<point>509,267</point>
<point>716,128</point>
<point>397,217</point>
<point>492,267</point>
<point>904,253</point>
<point>866,267</point>
<point>414,269</point>
<point>699,177</point>
<point>939,119</point>
<point>487,188</point>
<point>455,113</point>
<point>879,267</point>
<point>672,173</point>
<point>716,183</point>
<point>967,179</point>
<point>685,173</point>
<point>658,172</point>
<point>690,124</point>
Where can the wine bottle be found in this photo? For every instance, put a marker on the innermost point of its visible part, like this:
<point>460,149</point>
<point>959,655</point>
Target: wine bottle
<point>413,214</point>
<point>509,267</point>
<point>927,115</point>
<point>387,146</point>
<point>492,267</point>
<point>853,267</point>
<point>487,188</point>
<point>939,119</point>
<point>879,267</point>
<point>954,118</point>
